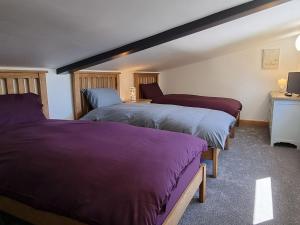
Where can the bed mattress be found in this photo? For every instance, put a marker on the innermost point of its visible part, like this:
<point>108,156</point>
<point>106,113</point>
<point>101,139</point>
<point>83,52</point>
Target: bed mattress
<point>126,175</point>
<point>184,180</point>
<point>186,177</point>
<point>210,125</point>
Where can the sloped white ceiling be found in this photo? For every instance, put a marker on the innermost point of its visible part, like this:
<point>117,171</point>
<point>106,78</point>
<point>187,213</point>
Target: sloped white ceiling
<point>279,22</point>
<point>52,33</point>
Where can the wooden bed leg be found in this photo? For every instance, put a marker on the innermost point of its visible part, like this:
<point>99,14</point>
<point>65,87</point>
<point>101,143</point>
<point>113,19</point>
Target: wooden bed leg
<point>232,132</point>
<point>212,154</point>
<point>237,123</point>
<point>216,153</point>
<point>226,147</point>
<point>202,188</point>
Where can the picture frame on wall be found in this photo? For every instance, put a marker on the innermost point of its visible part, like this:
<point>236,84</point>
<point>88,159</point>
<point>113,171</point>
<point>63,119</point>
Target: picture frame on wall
<point>270,59</point>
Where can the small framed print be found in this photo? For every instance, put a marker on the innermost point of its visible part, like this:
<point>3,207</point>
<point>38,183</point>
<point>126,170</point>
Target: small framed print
<point>270,59</point>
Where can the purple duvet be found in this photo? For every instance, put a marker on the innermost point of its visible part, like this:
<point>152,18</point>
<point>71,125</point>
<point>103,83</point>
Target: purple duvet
<point>98,173</point>
<point>228,105</point>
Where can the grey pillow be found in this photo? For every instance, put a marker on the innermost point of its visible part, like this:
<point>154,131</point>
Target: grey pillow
<point>99,97</point>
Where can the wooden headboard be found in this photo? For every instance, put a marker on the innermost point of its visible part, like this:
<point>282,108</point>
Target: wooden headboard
<point>144,78</point>
<point>23,81</point>
<point>87,79</point>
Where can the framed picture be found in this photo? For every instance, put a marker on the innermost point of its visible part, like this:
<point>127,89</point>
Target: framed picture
<point>270,59</point>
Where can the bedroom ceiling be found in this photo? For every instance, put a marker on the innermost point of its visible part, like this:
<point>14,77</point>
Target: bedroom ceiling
<point>244,33</point>
<point>50,34</point>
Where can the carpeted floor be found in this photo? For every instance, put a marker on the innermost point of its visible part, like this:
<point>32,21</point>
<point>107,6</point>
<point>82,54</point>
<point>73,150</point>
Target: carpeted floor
<point>230,197</point>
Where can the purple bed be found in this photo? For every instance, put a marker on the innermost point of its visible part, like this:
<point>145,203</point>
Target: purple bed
<point>152,91</point>
<point>96,173</point>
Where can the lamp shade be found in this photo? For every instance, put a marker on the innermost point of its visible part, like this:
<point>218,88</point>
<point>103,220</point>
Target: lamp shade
<point>132,93</point>
<point>282,83</point>
<point>297,43</point>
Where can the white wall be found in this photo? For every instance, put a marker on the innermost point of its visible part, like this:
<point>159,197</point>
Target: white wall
<point>237,75</point>
<point>60,100</point>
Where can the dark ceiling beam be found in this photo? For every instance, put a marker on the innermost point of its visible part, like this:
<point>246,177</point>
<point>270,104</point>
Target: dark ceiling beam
<point>174,33</point>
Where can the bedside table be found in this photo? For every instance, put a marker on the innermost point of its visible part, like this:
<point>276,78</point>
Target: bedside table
<point>284,119</point>
<point>143,101</point>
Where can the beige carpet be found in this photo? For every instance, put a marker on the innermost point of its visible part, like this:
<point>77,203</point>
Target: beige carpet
<point>231,197</point>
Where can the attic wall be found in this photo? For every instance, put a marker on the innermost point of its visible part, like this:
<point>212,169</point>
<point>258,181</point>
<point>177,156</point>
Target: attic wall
<point>237,75</point>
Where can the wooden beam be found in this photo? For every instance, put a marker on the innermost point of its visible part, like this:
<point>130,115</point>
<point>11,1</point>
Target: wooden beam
<point>174,33</point>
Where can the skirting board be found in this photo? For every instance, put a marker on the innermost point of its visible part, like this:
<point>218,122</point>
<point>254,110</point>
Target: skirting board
<point>254,123</point>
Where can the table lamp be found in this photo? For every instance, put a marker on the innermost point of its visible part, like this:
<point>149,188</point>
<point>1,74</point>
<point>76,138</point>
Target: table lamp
<point>282,83</point>
<point>297,43</point>
<point>132,93</point>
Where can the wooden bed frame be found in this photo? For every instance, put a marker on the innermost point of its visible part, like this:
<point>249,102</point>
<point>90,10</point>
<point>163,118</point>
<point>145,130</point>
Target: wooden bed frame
<point>83,80</point>
<point>153,77</point>
<point>144,78</point>
<point>24,81</point>
<point>34,81</point>
<point>87,79</point>
<point>149,78</point>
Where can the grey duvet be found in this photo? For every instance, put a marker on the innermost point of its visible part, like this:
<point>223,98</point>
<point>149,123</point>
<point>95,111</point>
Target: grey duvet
<point>210,125</point>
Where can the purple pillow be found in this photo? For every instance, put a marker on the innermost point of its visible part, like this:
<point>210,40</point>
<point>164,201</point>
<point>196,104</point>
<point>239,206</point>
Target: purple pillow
<point>150,91</point>
<point>20,108</point>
